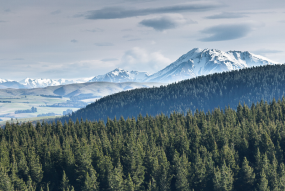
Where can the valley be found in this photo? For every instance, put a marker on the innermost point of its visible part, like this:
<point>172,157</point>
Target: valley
<point>56,99</point>
<point>7,110</point>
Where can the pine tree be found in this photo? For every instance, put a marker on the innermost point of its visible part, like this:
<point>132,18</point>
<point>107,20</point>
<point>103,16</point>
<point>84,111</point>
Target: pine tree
<point>223,178</point>
<point>281,184</point>
<point>35,166</point>
<point>18,183</point>
<point>199,170</point>
<point>181,168</point>
<point>5,182</point>
<point>65,182</point>
<point>247,175</point>
<point>162,175</point>
<point>263,184</point>
<point>90,183</point>
<point>129,185</point>
<point>116,181</point>
<point>134,163</point>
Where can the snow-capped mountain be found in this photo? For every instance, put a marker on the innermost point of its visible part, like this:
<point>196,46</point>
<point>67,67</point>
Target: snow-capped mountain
<point>4,80</point>
<point>40,83</point>
<point>202,62</point>
<point>36,83</point>
<point>120,75</point>
<point>194,63</point>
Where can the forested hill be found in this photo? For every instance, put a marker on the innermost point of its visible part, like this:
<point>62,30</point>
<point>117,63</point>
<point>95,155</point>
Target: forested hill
<point>217,151</point>
<point>203,93</point>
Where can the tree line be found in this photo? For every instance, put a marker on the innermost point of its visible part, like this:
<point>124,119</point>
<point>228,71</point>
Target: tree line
<point>222,150</point>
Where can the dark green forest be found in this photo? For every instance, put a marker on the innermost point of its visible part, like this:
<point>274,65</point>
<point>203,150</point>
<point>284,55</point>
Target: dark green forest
<point>230,149</point>
<point>203,93</point>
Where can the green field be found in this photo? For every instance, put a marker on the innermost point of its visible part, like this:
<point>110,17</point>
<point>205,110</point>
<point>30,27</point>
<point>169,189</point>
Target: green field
<point>22,120</point>
<point>7,110</point>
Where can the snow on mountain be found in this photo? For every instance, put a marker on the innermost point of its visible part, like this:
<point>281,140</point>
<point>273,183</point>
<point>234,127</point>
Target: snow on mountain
<point>202,62</point>
<point>120,75</point>
<point>194,63</point>
<point>4,80</point>
<point>40,83</point>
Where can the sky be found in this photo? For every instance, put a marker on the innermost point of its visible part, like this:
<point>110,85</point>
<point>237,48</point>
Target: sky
<point>79,39</point>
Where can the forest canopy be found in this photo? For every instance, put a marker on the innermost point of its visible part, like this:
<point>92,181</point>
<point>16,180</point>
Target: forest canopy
<point>241,149</point>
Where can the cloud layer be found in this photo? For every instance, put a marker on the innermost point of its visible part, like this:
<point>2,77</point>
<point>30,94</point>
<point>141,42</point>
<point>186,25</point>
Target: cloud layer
<point>164,22</point>
<point>264,52</point>
<point>104,44</point>
<point>227,15</point>
<point>227,32</point>
<point>119,12</point>
<point>140,59</point>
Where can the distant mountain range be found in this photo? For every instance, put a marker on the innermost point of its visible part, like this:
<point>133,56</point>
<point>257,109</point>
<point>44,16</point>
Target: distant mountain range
<point>195,63</point>
<point>29,83</point>
<point>79,91</point>
<point>120,75</point>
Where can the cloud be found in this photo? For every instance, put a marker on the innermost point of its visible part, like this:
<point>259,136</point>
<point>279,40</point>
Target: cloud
<point>131,37</point>
<point>119,12</point>
<point>127,30</point>
<point>141,60</point>
<point>2,21</point>
<point>227,15</point>
<point>282,21</point>
<point>264,52</point>
<point>74,41</point>
<point>104,44</point>
<point>95,30</point>
<point>134,39</point>
<point>83,68</point>
<point>227,32</point>
<point>165,22</point>
<point>109,59</point>
<point>128,36</point>
<point>7,10</point>
<point>55,12</point>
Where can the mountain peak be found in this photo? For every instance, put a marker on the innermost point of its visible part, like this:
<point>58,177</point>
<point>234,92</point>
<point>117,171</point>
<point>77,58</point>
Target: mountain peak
<point>198,62</point>
<point>121,75</point>
<point>118,69</point>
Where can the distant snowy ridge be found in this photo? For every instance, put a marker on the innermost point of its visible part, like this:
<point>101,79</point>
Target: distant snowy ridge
<point>203,62</point>
<point>40,83</point>
<point>120,75</point>
<point>4,80</point>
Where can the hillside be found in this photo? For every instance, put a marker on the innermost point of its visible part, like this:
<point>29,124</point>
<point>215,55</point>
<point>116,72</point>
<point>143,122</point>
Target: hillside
<point>79,90</point>
<point>247,86</point>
